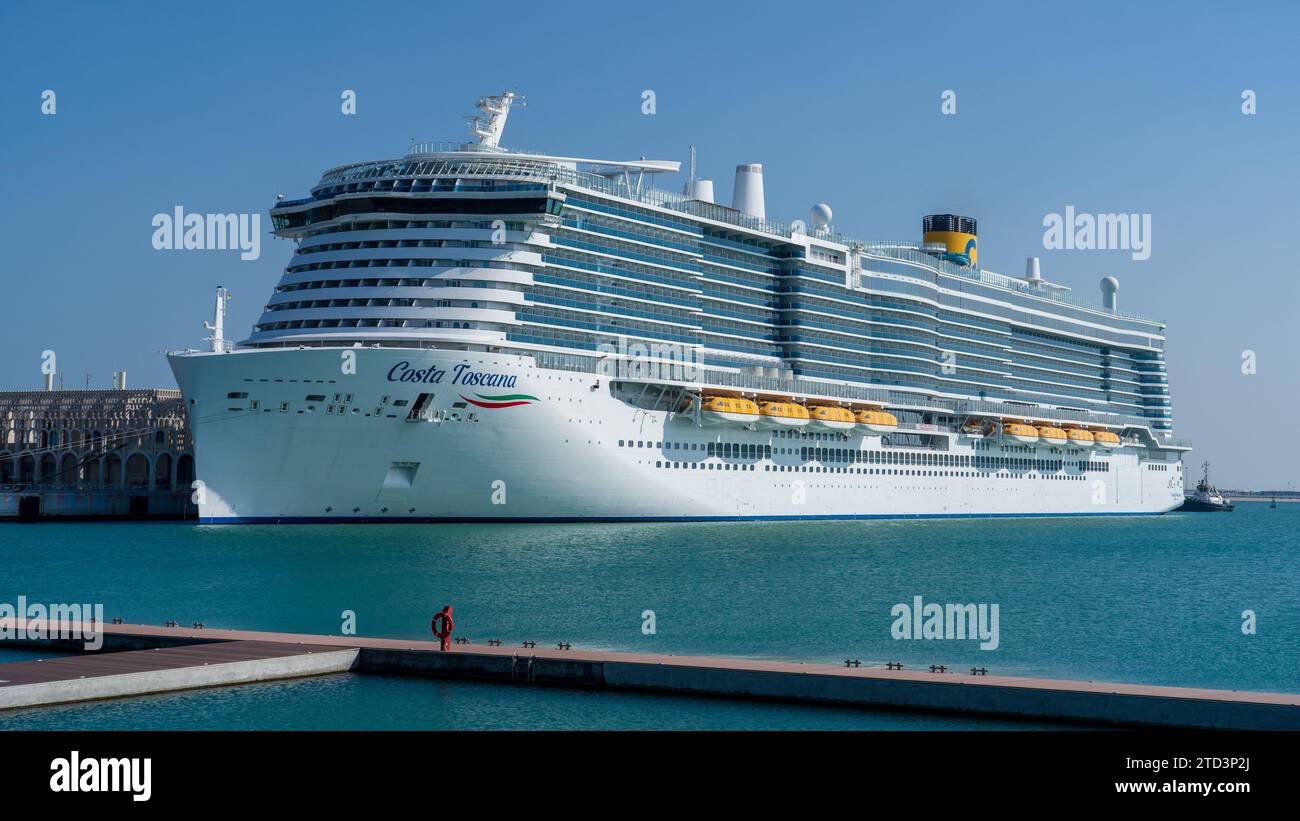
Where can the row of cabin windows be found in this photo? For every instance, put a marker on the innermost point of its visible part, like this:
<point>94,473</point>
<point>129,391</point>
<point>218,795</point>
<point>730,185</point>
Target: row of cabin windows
<point>1058,477</point>
<point>751,450</point>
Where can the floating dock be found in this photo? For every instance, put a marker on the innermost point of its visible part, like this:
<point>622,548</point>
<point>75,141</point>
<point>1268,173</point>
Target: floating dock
<point>162,670</point>
<point>184,658</point>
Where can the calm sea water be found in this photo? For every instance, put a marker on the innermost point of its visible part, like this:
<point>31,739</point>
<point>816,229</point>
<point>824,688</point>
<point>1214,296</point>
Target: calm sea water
<point>1153,600</point>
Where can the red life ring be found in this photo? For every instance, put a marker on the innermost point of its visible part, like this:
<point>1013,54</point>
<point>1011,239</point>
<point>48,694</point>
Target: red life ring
<point>447,624</point>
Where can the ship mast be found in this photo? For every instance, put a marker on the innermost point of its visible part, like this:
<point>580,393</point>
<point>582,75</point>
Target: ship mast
<point>218,323</point>
<point>490,122</point>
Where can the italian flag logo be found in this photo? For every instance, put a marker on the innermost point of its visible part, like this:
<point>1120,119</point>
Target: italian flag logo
<point>505,400</point>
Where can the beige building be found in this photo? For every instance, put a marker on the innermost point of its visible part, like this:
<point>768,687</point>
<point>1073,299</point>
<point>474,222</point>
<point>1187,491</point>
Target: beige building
<point>112,445</point>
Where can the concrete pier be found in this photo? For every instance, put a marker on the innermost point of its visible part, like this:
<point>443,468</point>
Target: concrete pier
<point>166,669</point>
<point>1102,703</point>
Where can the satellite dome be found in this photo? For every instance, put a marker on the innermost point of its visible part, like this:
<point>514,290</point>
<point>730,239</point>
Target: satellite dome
<point>1109,292</point>
<point>820,215</point>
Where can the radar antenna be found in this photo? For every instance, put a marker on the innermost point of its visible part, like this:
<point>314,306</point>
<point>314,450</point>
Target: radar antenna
<point>488,124</point>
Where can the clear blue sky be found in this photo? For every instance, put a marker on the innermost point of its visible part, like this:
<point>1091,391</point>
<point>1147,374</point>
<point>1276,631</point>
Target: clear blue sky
<point>1110,107</point>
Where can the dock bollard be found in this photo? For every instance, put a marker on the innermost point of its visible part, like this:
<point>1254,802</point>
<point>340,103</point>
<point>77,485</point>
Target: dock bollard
<point>852,663</point>
<point>171,623</point>
<point>530,644</point>
<point>118,620</point>
<point>494,642</point>
<point>564,645</point>
<point>893,665</point>
<point>979,671</point>
<point>198,625</point>
<point>938,668</point>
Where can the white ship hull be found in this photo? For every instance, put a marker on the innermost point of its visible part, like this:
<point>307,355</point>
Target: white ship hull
<point>556,455</point>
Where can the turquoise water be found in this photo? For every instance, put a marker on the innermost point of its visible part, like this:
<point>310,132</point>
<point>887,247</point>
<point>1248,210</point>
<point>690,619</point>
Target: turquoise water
<point>1154,600</point>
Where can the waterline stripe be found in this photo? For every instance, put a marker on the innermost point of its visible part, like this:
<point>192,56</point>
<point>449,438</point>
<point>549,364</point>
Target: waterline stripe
<point>267,520</point>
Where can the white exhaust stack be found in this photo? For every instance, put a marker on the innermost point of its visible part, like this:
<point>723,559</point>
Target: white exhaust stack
<point>49,381</point>
<point>1109,288</point>
<point>748,195</point>
<point>703,190</point>
<point>1033,271</point>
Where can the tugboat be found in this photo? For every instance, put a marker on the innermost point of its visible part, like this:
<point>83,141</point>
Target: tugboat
<point>1207,498</point>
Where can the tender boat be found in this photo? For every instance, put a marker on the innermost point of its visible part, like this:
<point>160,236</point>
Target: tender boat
<point>1080,438</point>
<point>1018,432</point>
<point>1051,436</point>
<point>1106,439</point>
<point>731,410</point>
<point>831,418</point>
<point>782,414</point>
<point>876,421</point>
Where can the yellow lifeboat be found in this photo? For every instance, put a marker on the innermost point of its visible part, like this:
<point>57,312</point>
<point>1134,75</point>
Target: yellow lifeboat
<point>1048,435</point>
<point>1026,434</point>
<point>1106,439</point>
<point>1079,438</point>
<point>782,414</point>
<point>830,417</point>
<point>975,429</point>
<point>877,421</point>
<point>729,410</point>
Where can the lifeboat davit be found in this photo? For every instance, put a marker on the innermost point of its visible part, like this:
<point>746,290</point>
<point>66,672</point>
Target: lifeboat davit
<point>830,417</point>
<point>729,410</point>
<point>876,421</point>
<point>1048,435</point>
<point>1025,434</point>
<point>1106,439</point>
<point>975,430</point>
<point>782,415</point>
<point>1079,438</point>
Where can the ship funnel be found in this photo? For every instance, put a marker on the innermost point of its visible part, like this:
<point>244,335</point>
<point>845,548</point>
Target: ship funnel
<point>49,381</point>
<point>703,190</point>
<point>1033,271</point>
<point>1109,290</point>
<point>748,194</point>
<point>956,234</point>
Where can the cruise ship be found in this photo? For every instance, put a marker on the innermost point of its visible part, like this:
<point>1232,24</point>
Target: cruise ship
<point>470,333</point>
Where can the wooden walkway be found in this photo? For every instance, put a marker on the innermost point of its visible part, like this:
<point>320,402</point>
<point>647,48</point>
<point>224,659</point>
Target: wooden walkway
<point>950,692</point>
<point>165,669</point>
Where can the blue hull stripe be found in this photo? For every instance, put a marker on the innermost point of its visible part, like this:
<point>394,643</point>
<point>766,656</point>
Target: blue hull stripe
<point>343,520</point>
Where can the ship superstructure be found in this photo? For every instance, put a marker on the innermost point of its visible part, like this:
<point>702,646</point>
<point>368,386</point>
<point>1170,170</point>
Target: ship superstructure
<point>474,333</point>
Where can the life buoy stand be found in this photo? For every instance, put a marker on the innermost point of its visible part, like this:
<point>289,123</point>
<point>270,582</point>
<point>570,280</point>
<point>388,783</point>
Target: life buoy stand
<point>442,625</point>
